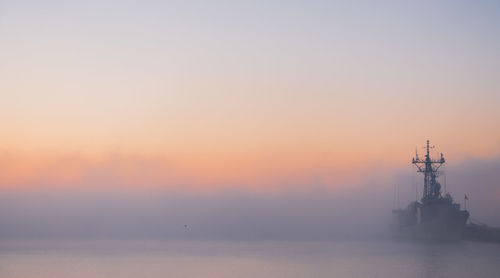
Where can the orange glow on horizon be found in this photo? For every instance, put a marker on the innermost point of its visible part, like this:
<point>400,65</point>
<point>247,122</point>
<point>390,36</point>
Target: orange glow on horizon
<point>209,171</point>
<point>262,169</point>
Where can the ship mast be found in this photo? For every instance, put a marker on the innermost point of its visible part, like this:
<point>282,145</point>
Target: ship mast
<point>429,167</point>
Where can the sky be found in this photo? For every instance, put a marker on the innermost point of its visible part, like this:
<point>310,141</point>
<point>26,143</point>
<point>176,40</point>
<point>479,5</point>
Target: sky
<point>262,98</point>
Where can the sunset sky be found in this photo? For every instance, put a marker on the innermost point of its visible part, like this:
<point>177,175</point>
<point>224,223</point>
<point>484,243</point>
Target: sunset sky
<point>208,95</point>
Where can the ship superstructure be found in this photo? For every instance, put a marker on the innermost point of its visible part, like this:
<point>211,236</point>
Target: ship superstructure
<point>435,216</point>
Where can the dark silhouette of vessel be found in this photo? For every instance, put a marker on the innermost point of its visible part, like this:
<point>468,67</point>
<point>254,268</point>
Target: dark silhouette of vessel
<point>481,232</point>
<point>436,216</point>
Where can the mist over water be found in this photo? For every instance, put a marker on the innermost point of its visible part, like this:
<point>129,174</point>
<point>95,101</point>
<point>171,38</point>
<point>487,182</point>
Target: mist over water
<point>222,215</point>
<point>308,212</point>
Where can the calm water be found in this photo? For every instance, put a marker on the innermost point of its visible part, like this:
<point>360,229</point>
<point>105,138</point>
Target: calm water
<point>68,259</point>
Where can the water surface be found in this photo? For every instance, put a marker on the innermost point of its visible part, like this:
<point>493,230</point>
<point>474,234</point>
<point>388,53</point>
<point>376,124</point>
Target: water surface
<point>72,259</point>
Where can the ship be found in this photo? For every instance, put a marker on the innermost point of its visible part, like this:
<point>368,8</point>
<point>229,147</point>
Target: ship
<point>436,216</point>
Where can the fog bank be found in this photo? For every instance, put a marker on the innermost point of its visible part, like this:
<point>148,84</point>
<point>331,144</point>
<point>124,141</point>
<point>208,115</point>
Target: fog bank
<point>312,212</point>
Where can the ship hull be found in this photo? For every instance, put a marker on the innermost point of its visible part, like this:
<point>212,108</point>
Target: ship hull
<point>437,221</point>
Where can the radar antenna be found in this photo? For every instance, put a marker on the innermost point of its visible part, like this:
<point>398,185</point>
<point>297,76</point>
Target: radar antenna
<point>429,167</point>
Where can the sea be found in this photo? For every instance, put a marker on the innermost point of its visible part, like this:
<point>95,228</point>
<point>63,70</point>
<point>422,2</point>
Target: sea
<point>224,259</point>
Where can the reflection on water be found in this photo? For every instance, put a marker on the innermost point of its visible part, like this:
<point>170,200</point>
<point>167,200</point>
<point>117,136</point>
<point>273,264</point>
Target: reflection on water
<point>220,259</point>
